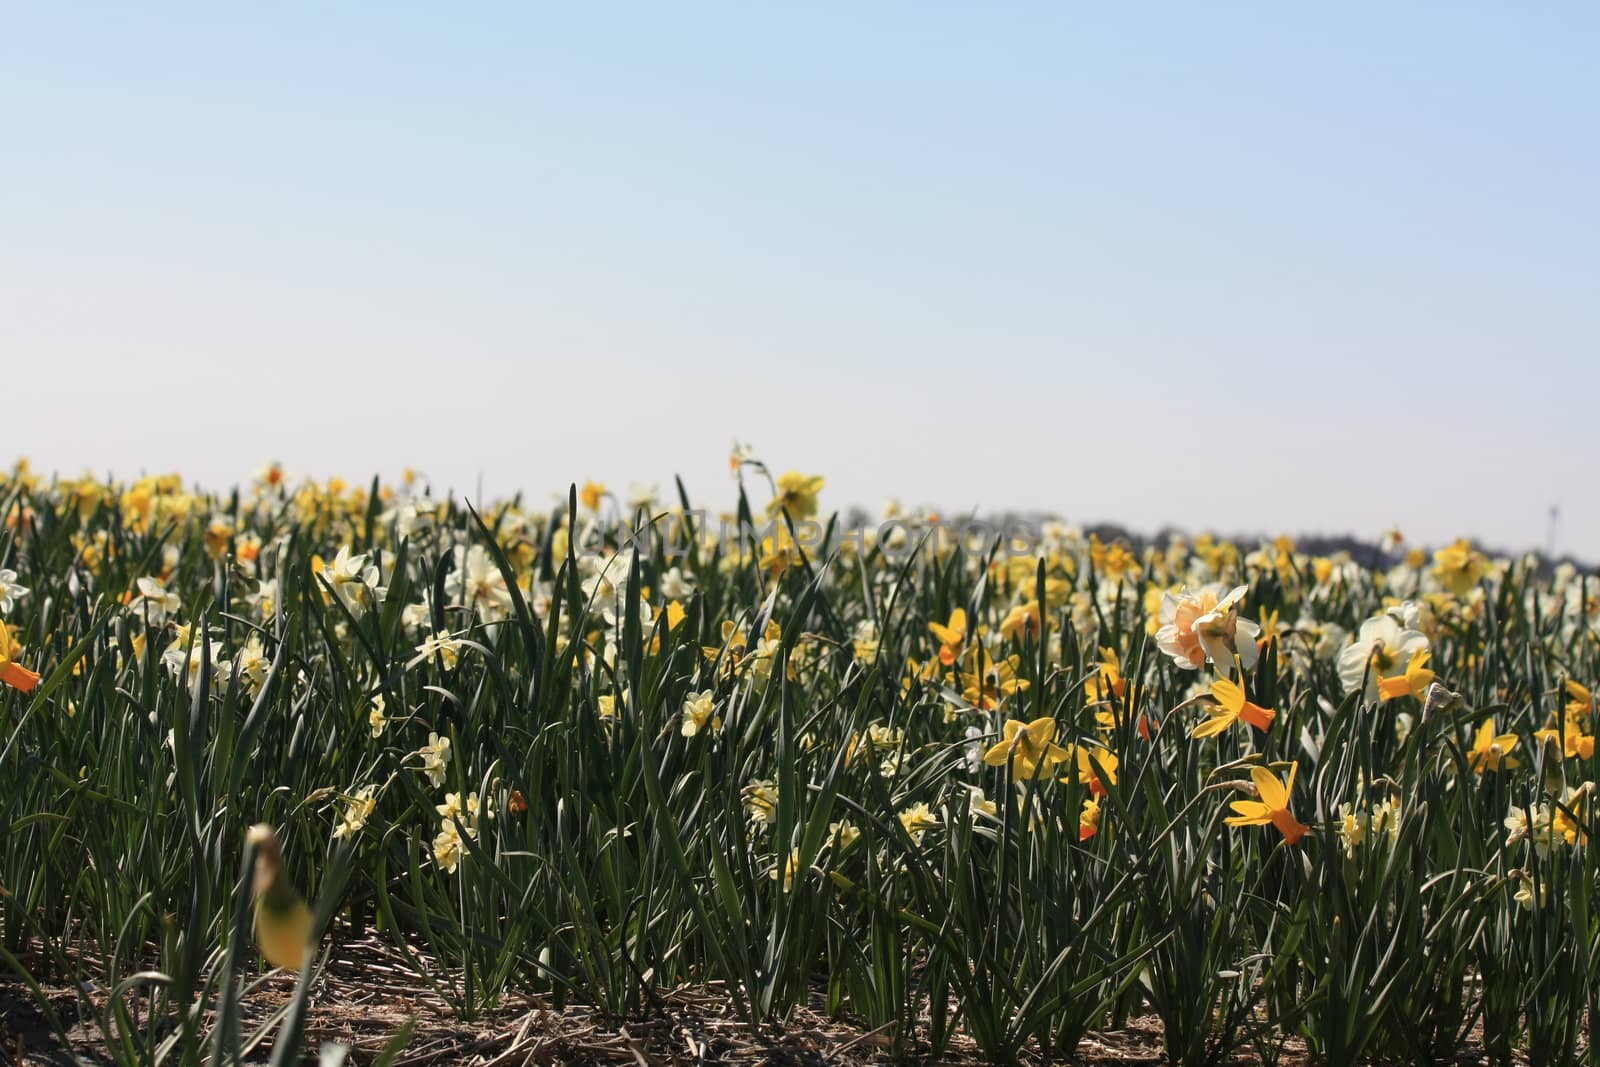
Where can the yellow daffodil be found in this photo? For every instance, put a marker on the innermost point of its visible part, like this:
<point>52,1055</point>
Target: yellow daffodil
<point>1491,751</point>
<point>1580,702</point>
<point>1027,747</point>
<point>1021,622</point>
<point>918,673</point>
<point>1114,560</point>
<point>780,551</point>
<point>1458,567</point>
<point>1107,680</point>
<point>1089,818</point>
<point>952,636</point>
<point>1570,827</point>
<point>1272,807</point>
<point>986,683</point>
<point>1568,744</point>
<point>918,820</point>
<point>1094,767</point>
<point>797,494</point>
<point>791,868</point>
<point>13,673</point>
<point>1231,707</point>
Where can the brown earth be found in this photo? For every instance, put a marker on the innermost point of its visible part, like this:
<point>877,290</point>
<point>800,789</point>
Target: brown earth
<point>368,992</point>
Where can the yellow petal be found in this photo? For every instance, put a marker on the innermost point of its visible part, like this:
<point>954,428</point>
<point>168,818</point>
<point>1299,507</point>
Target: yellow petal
<point>1485,736</point>
<point>1220,720</point>
<point>1273,795</point>
<point>1251,813</point>
<point>998,755</point>
<point>1231,694</point>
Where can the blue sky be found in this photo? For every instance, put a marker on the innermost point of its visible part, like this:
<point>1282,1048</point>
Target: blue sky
<point>1250,268</point>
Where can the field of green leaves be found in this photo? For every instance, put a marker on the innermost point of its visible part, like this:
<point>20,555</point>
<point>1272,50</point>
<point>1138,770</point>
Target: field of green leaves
<point>945,782</point>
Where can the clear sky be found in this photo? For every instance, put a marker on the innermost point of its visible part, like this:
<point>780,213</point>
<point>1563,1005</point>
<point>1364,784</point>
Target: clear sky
<point>1248,266</point>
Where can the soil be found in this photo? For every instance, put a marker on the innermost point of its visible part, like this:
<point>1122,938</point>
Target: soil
<point>368,992</point>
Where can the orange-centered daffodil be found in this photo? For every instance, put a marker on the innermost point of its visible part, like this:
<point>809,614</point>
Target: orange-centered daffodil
<point>13,673</point>
<point>1231,707</point>
<point>952,636</point>
<point>1273,807</point>
<point>1413,683</point>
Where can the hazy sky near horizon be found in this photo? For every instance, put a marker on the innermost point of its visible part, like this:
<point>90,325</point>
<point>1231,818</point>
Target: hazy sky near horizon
<point>1231,266</point>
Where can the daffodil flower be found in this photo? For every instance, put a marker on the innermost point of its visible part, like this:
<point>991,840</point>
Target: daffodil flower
<point>986,683</point>
<point>917,820</point>
<point>1580,702</point>
<point>10,590</point>
<point>1458,567</point>
<point>1205,625</point>
<point>1272,807</point>
<point>952,636</point>
<point>1413,683</point>
<point>1107,680</point>
<point>1094,767</point>
<point>1491,751</point>
<point>1027,747</point>
<point>1089,818</point>
<point>1381,646</point>
<point>1571,743</point>
<point>1231,707</point>
<point>13,673</point>
<point>797,494</point>
<point>699,709</point>
<point>1021,622</point>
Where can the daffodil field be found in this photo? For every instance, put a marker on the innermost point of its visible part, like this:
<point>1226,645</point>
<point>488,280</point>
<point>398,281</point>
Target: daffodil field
<point>957,784</point>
